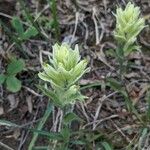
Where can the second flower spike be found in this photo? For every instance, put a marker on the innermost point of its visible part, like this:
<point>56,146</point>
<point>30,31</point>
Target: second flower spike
<point>128,26</point>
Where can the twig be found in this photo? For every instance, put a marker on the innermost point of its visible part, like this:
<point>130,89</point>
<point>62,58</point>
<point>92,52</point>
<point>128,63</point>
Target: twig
<point>121,132</point>
<point>75,29</point>
<point>10,17</point>
<point>6,146</point>
<point>84,112</point>
<point>32,91</point>
<point>54,127</point>
<point>100,121</point>
<point>96,26</point>
<point>40,13</point>
<point>99,107</point>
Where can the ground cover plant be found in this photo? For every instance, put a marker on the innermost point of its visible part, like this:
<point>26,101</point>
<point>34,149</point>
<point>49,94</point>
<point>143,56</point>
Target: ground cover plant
<point>74,75</point>
<point>14,67</point>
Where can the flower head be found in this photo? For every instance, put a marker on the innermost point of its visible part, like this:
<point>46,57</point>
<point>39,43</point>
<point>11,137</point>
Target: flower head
<point>64,70</point>
<point>64,56</point>
<point>128,26</point>
<point>66,67</point>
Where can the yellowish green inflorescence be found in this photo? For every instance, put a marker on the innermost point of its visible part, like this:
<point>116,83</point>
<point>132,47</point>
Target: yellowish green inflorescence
<point>128,26</point>
<point>64,70</point>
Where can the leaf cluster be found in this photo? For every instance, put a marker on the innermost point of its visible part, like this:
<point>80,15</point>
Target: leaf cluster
<point>21,32</point>
<point>9,78</point>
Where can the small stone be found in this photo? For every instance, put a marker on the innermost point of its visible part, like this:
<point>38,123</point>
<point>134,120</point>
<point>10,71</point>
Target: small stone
<point>124,110</point>
<point>1,110</point>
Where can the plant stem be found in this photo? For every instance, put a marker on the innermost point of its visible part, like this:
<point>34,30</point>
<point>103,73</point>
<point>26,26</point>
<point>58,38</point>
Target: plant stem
<point>53,7</point>
<point>122,70</point>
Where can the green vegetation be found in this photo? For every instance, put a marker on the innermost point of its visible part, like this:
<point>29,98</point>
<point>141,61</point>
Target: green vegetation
<point>21,34</point>
<point>58,79</point>
<point>9,78</point>
<point>63,73</point>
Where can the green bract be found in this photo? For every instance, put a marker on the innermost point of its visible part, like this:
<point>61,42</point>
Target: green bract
<point>128,26</point>
<point>64,70</point>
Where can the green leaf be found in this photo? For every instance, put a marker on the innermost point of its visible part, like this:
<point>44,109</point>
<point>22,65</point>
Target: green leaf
<point>148,101</point>
<point>78,96</point>
<point>18,26</point>
<point>50,135</point>
<point>15,66</point>
<point>13,84</point>
<point>65,132</point>
<point>93,136</point>
<point>68,118</point>
<point>142,139</point>
<point>2,78</point>
<point>106,146</point>
<point>40,126</point>
<point>78,142</point>
<point>91,85</point>
<point>30,32</point>
<point>51,95</point>
<point>115,85</point>
<point>40,148</point>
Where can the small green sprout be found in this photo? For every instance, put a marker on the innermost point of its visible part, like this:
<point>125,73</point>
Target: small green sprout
<point>21,32</point>
<point>128,26</point>
<point>64,71</point>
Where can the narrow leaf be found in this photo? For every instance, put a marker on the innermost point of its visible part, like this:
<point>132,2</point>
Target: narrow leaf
<point>68,118</point>
<point>18,26</point>
<point>40,126</point>
<point>115,85</point>
<point>30,32</point>
<point>106,146</point>
<point>40,148</point>
<point>50,135</point>
<point>78,142</point>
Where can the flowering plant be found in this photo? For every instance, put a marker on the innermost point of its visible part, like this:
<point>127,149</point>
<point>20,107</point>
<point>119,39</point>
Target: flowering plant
<point>64,70</point>
<point>128,26</point>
